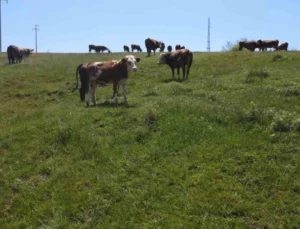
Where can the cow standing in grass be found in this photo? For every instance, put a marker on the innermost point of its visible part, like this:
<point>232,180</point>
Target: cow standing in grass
<point>250,45</point>
<point>136,47</point>
<point>98,48</point>
<point>283,46</point>
<point>182,58</point>
<point>151,45</point>
<point>17,54</point>
<point>126,48</point>
<point>177,47</point>
<point>114,76</point>
<point>263,45</point>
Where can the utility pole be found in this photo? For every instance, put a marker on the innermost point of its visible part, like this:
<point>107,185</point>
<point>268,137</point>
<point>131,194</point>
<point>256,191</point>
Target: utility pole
<point>0,24</point>
<point>36,28</point>
<point>208,35</point>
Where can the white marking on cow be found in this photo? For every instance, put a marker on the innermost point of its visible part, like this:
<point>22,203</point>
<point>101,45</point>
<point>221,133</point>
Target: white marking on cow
<point>162,59</point>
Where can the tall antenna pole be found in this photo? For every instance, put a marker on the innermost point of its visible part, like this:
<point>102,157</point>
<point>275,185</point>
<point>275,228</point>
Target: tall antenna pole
<point>36,28</point>
<point>0,24</point>
<point>208,35</point>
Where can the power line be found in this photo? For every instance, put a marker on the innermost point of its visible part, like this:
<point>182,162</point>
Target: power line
<point>36,29</point>
<point>208,35</point>
<point>0,24</point>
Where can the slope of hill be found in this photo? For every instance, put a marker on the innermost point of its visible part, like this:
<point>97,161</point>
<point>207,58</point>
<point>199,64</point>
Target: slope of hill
<point>220,150</point>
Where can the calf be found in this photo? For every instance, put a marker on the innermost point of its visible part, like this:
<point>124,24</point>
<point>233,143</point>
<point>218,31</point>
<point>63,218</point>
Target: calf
<point>264,44</point>
<point>162,46</point>
<point>126,48</point>
<point>181,58</point>
<point>85,76</point>
<point>17,54</point>
<point>151,45</point>
<point>169,48</point>
<point>283,46</point>
<point>177,47</point>
<point>136,47</point>
<point>250,45</point>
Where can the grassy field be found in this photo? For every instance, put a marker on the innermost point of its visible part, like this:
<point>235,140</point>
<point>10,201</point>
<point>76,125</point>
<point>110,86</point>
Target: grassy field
<point>220,150</point>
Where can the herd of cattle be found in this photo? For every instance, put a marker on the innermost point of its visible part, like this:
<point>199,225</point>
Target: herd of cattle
<point>263,45</point>
<point>116,72</point>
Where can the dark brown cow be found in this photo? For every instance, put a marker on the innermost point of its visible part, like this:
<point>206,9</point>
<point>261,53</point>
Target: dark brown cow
<point>136,47</point>
<point>264,44</point>
<point>283,46</point>
<point>17,54</point>
<point>126,48</point>
<point>182,58</point>
<point>162,46</point>
<point>169,48</point>
<point>151,45</point>
<point>98,48</point>
<point>177,47</point>
<point>85,75</point>
<point>250,45</point>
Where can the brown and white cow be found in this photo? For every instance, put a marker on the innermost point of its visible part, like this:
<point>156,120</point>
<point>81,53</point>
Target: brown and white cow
<point>283,46</point>
<point>98,48</point>
<point>169,48</point>
<point>264,44</point>
<point>177,47</point>
<point>17,54</point>
<point>136,47</point>
<point>162,46</point>
<point>111,76</point>
<point>151,45</point>
<point>182,58</point>
<point>126,48</point>
<point>250,45</point>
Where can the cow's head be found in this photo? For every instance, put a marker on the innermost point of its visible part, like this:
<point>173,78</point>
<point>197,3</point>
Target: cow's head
<point>162,59</point>
<point>131,61</point>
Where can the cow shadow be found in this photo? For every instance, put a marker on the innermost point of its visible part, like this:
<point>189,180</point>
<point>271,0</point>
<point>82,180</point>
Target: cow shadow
<point>179,80</point>
<point>116,105</point>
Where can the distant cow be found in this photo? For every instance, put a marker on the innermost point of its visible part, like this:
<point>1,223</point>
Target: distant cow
<point>250,45</point>
<point>264,44</point>
<point>17,54</point>
<point>85,76</point>
<point>136,47</point>
<point>151,45</point>
<point>182,58</point>
<point>169,48</point>
<point>126,48</point>
<point>177,47</point>
<point>283,46</point>
<point>162,46</point>
<point>98,48</point>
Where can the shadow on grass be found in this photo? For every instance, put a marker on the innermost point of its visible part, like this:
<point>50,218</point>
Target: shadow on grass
<point>115,105</point>
<point>174,79</point>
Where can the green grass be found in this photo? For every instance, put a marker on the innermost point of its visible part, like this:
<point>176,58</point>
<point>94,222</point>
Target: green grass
<point>219,150</point>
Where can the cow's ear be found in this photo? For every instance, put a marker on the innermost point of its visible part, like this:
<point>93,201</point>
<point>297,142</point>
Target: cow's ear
<point>123,60</point>
<point>138,59</point>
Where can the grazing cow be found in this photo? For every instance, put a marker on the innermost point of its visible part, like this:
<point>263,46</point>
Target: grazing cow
<point>169,48</point>
<point>250,45</point>
<point>136,47</point>
<point>85,76</point>
<point>162,46</point>
<point>264,44</point>
<point>126,48</point>
<point>98,48</point>
<point>17,54</point>
<point>180,58</point>
<point>283,46</point>
<point>151,44</point>
<point>177,47</point>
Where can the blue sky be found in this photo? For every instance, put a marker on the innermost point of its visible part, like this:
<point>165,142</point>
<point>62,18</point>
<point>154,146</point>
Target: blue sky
<point>70,25</point>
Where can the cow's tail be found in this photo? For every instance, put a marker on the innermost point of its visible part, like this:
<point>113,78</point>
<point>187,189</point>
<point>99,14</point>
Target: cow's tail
<point>190,59</point>
<point>76,77</point>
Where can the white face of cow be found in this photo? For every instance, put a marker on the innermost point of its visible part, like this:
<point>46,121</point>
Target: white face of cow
<point>131,63</point>
<point>162,59</point>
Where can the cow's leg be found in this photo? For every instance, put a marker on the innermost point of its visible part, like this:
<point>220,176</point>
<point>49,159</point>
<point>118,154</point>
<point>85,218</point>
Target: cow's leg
<point>173,72</point>
<point>115,89</point>
<point>183,71</point>
<point>178,71</point>
<point>124,87</point>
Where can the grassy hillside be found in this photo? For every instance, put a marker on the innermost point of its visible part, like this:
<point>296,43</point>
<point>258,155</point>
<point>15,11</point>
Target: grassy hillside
<point>220,150</point>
